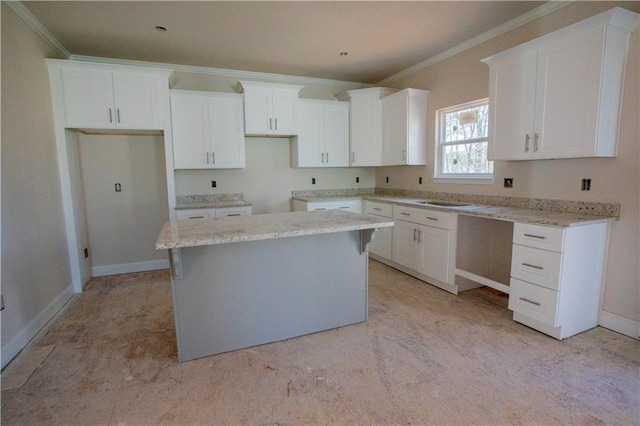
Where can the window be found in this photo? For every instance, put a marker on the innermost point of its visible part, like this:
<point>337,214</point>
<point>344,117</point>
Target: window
<point>462,143</point>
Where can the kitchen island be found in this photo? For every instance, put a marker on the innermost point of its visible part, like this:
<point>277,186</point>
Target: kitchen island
<point>243,281</point>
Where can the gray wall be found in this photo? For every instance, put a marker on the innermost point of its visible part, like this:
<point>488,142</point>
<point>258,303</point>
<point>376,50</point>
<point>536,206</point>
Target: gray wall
<point>36,280</point>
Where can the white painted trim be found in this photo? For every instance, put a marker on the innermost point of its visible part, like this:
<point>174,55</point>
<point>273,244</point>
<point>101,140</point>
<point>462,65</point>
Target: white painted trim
<point>521,20</point>
<point>224,72</point>
<point>622,325</point>
<point>127,268</point>
<point>28,332</point>
<point>33,22</point>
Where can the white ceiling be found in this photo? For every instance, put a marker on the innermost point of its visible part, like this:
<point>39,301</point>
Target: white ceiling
<point>301,38</point>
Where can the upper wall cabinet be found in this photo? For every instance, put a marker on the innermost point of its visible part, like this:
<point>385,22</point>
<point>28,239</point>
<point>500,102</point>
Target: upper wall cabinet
<point>404,128</point>
<point>366,125</point>
<point>208,130</point>
<point>559,96</point>
<point>105,99</point>
<point>270,109</point>
<point>323,134</point>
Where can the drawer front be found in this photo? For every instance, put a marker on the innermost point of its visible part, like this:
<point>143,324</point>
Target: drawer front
<point>426,217</point>
<point>533,301</point>
<point>233,211</point>
<point>195,214</point>
<point>542,237</point>
<point>536,266</point>
<point>378,209</point>
<point>354,206</point>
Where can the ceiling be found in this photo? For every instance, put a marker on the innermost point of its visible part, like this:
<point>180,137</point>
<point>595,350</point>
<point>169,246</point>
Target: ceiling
<point>301,38</point>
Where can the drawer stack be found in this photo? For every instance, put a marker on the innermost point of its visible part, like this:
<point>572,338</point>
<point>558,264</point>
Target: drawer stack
<point>556,276</point>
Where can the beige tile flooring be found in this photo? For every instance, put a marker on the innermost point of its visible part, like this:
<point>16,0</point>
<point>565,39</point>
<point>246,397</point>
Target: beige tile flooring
<point>424,356</point>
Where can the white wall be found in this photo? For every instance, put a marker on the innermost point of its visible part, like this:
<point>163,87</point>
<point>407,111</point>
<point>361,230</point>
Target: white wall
<point>268,179</point>
<point>464,78</point>
<point>123,226</point>
<point>36,280</point>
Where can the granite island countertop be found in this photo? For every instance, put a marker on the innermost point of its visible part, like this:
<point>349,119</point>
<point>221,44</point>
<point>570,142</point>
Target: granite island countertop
<point>539,215</point>
<point>202,232</point>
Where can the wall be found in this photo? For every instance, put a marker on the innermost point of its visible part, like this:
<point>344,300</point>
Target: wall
<point>123,226</point>
<point>36,279</point>
<point>464,78</point>
<point>268,179</point>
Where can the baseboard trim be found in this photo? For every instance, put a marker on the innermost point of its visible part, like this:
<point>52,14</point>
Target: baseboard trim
<point>620,324</point>
<point>28,332</point>
<point>127,268</point>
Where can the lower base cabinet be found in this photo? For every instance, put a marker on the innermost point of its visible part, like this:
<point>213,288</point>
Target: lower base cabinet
<point>381,245</point>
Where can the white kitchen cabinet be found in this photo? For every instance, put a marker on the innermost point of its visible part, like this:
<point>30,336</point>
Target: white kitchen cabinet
<point>422,242</point>
<point>102,99</point>
<point>365,118</point>
<point>213,213</point>
<point>559,96</point>
<point>348,205</point>
<point>208,130</point>
<point>270,109</point>
<point>381,245</point>
<point>404,128</point>
<point>323,134</point>
<point>556,277</point>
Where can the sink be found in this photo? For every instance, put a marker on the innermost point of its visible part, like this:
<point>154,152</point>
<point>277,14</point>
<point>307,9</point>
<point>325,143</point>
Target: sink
<point>446,203</point>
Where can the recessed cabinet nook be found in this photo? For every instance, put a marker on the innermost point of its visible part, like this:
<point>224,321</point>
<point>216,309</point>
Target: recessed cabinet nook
<point>560,95</point>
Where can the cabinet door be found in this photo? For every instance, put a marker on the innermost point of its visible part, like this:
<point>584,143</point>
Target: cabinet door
<point>137,101</point>
<point>308,145</point>
<point>284,105</point>
<point>336,134</point>
<point>189,119</point>
<point>88,99</point>
<point>394,129</point>
<point>406,250</point>
<point>257,111</point>
<point>226,131</point>
<point>567,96</point>
<point>366,127</point>
<point>511,107</point>
<point>381,243</point>
<point>435,252</point>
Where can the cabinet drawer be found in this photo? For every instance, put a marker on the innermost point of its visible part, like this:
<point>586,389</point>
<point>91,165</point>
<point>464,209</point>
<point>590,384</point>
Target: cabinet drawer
<point>536,266</point>
<point>346,205</point>
<point>195,214</point>
<point>533,301</point>
<point>542,237</point>
<point>378,209</point>
<point>427,217</point>
<point>233,211</point>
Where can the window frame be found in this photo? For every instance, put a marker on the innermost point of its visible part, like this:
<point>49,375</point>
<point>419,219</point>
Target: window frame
<point>469,178</point>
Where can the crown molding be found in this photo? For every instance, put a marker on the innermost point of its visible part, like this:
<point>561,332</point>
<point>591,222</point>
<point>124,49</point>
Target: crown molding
<point>519,21</point>
<point>33,22</point>
<point>224,72</point>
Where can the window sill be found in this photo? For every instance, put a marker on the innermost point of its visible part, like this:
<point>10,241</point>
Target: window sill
<point>464,180</point>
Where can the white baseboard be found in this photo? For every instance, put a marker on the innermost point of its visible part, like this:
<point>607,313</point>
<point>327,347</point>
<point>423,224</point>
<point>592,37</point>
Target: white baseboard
<point>127,268</point>
<point>620,324</point>
<point>28,332</point>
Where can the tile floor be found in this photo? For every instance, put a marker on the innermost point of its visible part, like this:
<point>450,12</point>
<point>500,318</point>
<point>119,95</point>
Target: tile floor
<point>424,356</point>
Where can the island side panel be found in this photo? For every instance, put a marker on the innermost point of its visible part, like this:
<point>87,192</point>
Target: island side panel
<point>239,295</point>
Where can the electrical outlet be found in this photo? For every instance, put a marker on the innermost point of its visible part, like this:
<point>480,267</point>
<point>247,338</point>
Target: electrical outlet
<point>357,179</point>
<point>313,181</point>
<point>586,184</point>
<point>118,187</point>
<point>508,182</point>
<point>387,179</point>
<point>214,184</point>
<point>86,252</point>
<point>420,180</point>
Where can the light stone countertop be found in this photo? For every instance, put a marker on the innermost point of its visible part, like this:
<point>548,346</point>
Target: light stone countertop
<point>513,214</point>
<point>203,232</point>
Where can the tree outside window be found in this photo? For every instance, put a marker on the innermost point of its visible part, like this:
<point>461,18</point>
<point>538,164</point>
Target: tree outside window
<point>463,141</point>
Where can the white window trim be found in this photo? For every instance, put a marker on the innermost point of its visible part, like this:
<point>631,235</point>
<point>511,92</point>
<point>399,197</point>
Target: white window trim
<point>475,179</point>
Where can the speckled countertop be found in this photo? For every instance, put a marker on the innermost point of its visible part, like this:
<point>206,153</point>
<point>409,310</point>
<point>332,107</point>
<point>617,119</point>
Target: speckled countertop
<point>210,201</point>
<point>203,232</point>
<point>537,211</point>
